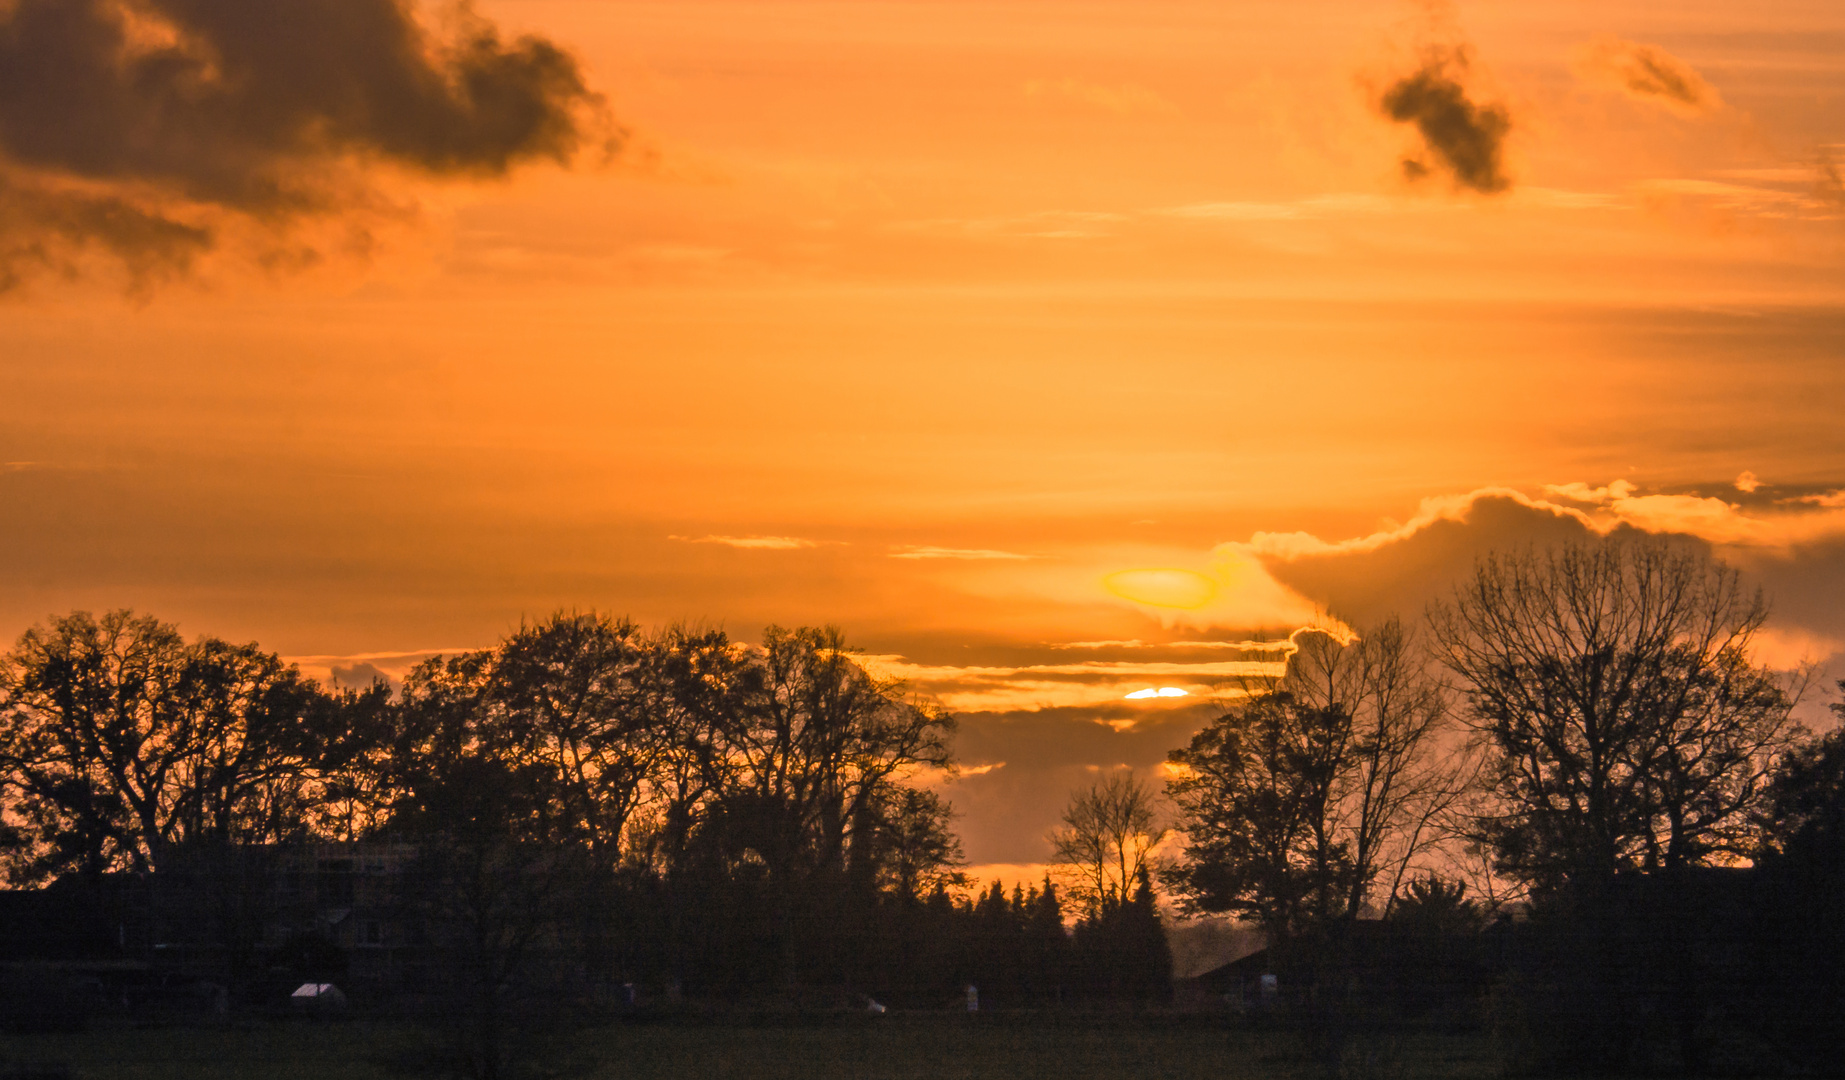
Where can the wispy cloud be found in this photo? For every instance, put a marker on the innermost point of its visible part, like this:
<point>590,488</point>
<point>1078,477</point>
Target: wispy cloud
<point>1578,491</point>
<point>1827,184</point>
<point>1092,669</point>
<point>1789,648</point>
<point>1750,199</point>
<point>1728,524</point>
<point>1329,205</point>
<point>1647,73</point>
<point>1294,545</point>
<point>1123,99</point>
<point>752,543</point>
<point>1286,645</point>
<point>957,553</point>
<point>1241,211</point>
<point>1344,205</point>
<point>1297,571</point>
<point>1043,225</point>
<point>1086,684</point>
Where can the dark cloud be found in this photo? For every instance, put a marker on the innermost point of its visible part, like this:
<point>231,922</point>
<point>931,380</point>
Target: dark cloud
<point>39,228</point>
<point>1828,184</point>
<point>1650,73</point>
<point>1464,139</point>
<point>126,125</point>
<point>1654,73</point>
<point>1404,577</point>
<point>360,676</point>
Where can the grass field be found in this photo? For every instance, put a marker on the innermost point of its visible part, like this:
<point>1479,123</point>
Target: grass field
<point>895,1047</point>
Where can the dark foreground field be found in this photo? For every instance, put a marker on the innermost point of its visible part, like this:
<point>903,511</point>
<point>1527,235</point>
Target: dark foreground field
<point>859,1048</point>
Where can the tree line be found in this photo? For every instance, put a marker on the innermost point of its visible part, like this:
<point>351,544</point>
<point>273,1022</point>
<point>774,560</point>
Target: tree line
<point>121,742</point>
<point>690,813</point>
<point>1578,732</point>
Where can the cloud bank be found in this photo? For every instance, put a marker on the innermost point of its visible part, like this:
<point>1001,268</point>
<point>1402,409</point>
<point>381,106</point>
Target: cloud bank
<point>142,129</point>
<point>1792,544</point>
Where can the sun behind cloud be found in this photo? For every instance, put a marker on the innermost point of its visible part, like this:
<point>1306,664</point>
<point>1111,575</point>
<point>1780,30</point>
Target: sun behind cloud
<point>1167,587</point>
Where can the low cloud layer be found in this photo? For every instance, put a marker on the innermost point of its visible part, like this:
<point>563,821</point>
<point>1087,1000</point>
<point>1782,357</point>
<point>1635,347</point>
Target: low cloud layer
<point>141,129</point>
<point>1462,138</point>
<point>973,554</point>
<point>1648,73</point>
<point>1085,684</point>
<point>1791,542</point>
<point>1007,813</point>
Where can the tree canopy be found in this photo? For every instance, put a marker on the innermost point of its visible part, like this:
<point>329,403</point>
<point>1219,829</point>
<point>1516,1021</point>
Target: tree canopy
<point>1302,795</point>
<point>1626,726</point>
<point>120,741</point>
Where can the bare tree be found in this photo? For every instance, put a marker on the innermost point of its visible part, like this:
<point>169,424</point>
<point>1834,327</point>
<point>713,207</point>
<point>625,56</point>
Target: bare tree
<point>120,741</point>
<point>1106,842</point>
<point>1402,773</point>
<point>1612,687</point>
<point>1310,793</point>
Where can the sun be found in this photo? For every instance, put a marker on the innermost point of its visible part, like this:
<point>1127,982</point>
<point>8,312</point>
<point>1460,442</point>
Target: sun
<point>1161,692</point>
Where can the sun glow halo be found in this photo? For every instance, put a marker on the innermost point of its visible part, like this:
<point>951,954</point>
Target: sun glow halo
<point>1163,587</point>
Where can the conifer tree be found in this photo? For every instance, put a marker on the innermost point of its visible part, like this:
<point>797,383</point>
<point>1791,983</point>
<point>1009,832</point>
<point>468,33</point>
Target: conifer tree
<point>1147,955</point>
<point>1047,945</point>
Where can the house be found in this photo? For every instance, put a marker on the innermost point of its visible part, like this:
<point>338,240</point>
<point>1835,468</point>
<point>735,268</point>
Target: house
<point>317,910</point>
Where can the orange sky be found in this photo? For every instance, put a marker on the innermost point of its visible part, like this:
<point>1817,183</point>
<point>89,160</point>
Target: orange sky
<point>971,305</point>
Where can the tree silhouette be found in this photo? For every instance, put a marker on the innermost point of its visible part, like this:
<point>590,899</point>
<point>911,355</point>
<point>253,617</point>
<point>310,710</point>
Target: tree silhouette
<point>1256,792</point>
<point>1298,799</point>
<point>1804,812</point>
<point>1121,948</point>
<point>908,843</point>
<point>1625,723</point>
<point>1107,836</point>
<point>1047,944</point>
<point>677,803</point>
<point>1432,904</point>
<point>120,742</point>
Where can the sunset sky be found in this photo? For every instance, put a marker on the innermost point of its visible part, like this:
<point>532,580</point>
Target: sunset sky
<point>933,320</point>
